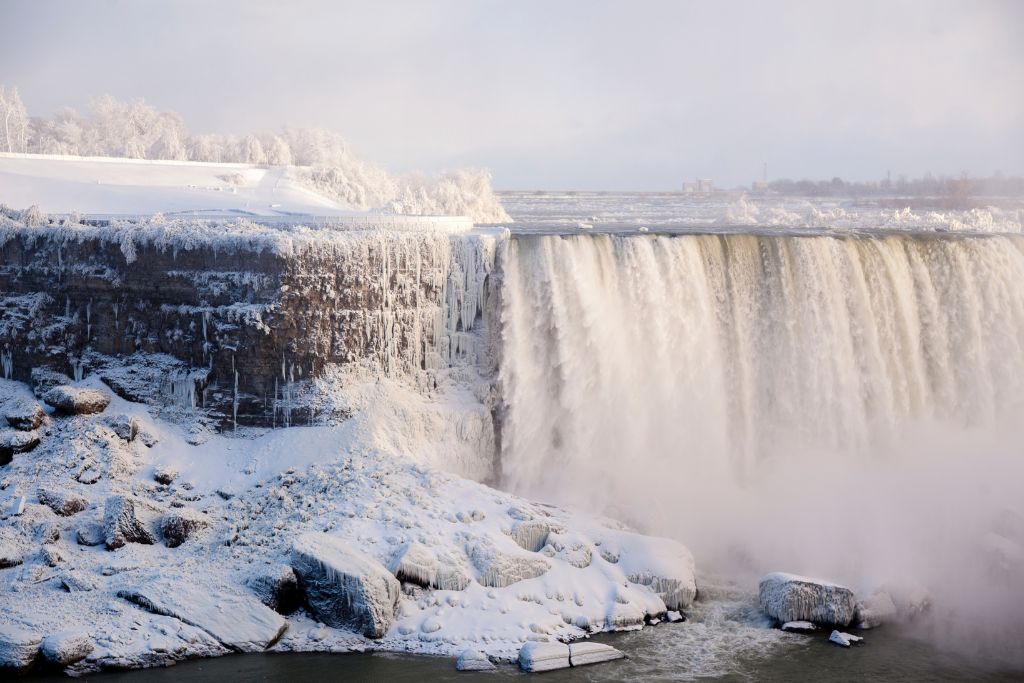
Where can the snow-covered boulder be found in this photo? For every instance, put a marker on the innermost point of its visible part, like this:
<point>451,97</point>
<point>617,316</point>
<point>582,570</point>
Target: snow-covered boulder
<point>788,597</point>
<point>164,475</point>
<point>876,610</point>
<point>277,587</point>
<point>77,400</point>
<point>44,379</point>
<point>498,568</point>
<point>799,627</point>
<point>75,581</point>
<point>585,652</point>
<point>125,426</point>
<point>474,660</point>
<point>240,622</point>
<point>18,647</point>
<point>536,657</point>
<point>532,534</point>
<point>178,526</point>
<point>127,519</point>
<point>13,548</point>
<point>64,503</point>
<point>13,442</point>
<point>67,647</point>
<point>23,413</point>
<point>344,587</point>
<point>90,535</point>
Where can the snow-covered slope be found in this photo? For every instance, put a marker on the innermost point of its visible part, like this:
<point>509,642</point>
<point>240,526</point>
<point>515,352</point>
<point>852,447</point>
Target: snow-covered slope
<point>114,186</point>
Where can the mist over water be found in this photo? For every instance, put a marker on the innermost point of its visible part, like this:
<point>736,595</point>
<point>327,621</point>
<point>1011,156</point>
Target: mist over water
<point>839,406</point>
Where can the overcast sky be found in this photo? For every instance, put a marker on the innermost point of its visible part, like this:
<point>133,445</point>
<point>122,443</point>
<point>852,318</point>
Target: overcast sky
<point>581,94</point>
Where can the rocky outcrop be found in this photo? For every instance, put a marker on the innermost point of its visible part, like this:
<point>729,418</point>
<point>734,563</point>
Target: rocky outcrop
<point>67,647</point>
<point>64,503</point>
<point>537,657</point>
<point>344,587</point>
<point>788,597</point>
<point>127,519</point>
<point>77,400</point>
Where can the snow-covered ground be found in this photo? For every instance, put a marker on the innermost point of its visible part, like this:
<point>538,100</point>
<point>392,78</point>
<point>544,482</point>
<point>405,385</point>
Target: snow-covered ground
<point>116,186</point>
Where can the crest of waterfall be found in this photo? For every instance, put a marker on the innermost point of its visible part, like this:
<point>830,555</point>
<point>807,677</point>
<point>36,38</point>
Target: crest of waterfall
<point>632,367</point>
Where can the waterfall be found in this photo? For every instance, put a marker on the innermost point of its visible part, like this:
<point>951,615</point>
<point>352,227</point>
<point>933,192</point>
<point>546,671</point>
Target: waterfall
<point>719,388</point>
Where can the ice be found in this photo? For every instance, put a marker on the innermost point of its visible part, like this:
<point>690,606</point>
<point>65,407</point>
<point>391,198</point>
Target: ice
<point>583,653</point>
<point>474,660</point>
<point>844,639</point>
<point>537,657</point>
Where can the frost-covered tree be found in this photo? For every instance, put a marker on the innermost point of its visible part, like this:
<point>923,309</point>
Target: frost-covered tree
<point>252,151</point>
<point>14,123</point>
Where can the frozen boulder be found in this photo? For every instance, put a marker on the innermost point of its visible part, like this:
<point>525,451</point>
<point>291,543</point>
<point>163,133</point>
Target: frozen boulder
<point>498,568</point>
<point>67,647</point>
<point>674,617</point>
<point>876,610</point>
<point>788,597</point>
<point>474,660</point>
<point>664,565</point>
<point>344,587</point>
<point>77,400</point>
<point>90,535</point>
<point>416,563</point>
<point>178,526</point>
<point>125,426</point>
<point>18,647</point>
<point>64,503</point>
<point>535,657</point>
<point>585,652</point>
<point>13,442</point>
<point>127,519</point>
<point>532,534</point>
<point>23,413</point>
<point>239,622</point>
<point>277,587</point>
<point>844,639</point>
<point>799,627</point>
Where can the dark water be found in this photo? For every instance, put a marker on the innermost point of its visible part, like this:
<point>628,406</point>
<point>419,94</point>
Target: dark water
<point>654,655</point>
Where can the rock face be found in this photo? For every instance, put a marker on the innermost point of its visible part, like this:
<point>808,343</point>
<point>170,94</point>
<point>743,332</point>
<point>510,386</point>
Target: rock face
<point>76,400</point>
<point>18,647</point>
<point>537,657</point>
<point>67,647</point>
<point>64,503</point>
<point>584,652</point>
<point>474,660</point>
<point>344,587</point>
<point>788,597</point>
<point>127,519</point>
<point>239,622</point>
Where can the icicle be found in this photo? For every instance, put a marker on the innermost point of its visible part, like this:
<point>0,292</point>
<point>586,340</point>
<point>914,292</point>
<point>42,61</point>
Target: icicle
<point>7,362</point>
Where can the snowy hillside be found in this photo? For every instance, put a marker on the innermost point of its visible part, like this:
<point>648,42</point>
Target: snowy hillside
<point>104,185</point>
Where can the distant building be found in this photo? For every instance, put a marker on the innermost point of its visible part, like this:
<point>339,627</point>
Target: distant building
<point>699,186</point>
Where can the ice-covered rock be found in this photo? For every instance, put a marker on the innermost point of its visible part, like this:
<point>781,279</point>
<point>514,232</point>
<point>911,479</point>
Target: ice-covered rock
<point>125,426</point>
<point>474,660</point>
<point>23,413</point>
<point>498,568</point>
<point>277,587</point>
<point>585,652</point>
<point>416,563</point>
<point>788,597</point>
<point>844,639</point>
<point>67,647</point>
<point>179,525</point>
<point>799,627</point>
<point>127,519</point>
<point>664,565</point>
<point>239,622</point>
<point>876,610</point>
<point>72,400</point>
<point>64,503</point>
<point>535,657</point>
<point>532,534</point>
<point>19,647</point>
<point>674,617</point>
<point>344,587</point>
<point>90,535</point>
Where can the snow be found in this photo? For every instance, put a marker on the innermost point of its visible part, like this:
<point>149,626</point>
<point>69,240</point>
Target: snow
<point>474,660</point>
<point>537,657</point>
<point>799,627</point>
<point>117,186</point>
<point>583,653</point>
<point>844,639</point>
